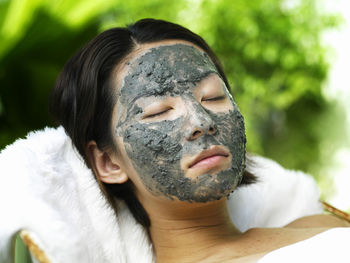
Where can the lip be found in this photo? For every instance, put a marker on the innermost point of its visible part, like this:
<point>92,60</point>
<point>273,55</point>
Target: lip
<point>206,154</point>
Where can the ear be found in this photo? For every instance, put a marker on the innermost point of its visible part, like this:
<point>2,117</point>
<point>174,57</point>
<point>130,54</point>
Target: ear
<point>105,167</point>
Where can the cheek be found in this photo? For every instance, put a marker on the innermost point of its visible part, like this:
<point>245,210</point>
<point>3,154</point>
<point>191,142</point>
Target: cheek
<point>154,145</point>
<point>231,132</point>
<point>155,152</point>
<point>230,124</point>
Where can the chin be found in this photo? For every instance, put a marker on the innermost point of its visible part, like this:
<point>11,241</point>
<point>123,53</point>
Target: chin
<point>208,195</point>
<point>204,188</point>
<point>208,190</point>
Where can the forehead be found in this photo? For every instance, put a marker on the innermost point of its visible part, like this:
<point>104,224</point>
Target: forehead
<point>167,69</point>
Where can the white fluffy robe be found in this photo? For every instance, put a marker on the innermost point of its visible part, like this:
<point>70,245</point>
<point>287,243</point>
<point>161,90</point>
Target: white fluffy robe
<point>47,189</point>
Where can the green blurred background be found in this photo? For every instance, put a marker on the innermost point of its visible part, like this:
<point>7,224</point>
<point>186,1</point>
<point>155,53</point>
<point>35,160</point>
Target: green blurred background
<point>271,51</point>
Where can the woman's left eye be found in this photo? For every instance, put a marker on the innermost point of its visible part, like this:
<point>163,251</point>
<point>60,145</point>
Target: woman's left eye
<point>214,98</point>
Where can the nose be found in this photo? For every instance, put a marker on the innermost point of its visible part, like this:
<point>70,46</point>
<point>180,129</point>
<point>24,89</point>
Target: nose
<point>198,132</point>
<point>200,123</point>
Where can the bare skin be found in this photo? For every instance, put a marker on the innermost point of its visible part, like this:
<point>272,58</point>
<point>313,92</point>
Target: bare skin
<point>207,235</point>
<point>187,230</point>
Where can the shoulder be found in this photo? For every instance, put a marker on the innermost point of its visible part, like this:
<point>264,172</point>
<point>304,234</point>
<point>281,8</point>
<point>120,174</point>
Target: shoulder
<point>323,220</point>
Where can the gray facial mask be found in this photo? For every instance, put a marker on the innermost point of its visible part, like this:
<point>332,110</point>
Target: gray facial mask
<point>156,148</point>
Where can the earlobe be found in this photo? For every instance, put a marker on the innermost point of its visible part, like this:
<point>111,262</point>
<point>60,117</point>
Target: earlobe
<point>106,168</point>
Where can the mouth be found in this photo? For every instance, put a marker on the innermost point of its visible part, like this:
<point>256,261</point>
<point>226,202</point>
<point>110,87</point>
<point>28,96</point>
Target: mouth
<point>209,158</point>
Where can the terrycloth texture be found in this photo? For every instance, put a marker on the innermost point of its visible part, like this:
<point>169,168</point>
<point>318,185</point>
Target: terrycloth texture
<point>278,198</point>
<point>318,249</point>
<point>47,189</point>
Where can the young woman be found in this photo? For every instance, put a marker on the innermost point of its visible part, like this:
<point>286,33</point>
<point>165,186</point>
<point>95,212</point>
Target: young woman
<point>149,109</point>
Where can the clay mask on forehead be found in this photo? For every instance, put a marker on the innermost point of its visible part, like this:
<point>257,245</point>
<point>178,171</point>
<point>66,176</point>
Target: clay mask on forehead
<point>157,148</point>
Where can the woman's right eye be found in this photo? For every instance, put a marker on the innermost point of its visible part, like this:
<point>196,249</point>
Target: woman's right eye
<point>149,116</point>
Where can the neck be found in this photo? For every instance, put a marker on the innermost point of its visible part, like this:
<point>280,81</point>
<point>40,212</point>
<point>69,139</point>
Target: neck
<point>190,232</point>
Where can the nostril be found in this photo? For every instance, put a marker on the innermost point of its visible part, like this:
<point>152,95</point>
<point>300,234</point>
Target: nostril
<point>195,134</point>
<point>211,130</point>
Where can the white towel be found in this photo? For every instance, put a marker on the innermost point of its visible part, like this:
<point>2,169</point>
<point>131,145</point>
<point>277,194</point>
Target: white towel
<point>329,246</point>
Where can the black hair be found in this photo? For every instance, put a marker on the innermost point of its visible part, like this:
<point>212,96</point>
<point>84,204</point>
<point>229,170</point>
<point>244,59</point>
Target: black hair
<point>82,100</point>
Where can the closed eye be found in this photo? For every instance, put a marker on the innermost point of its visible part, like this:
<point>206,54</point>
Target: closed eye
<point>215,98</point>
<point>149,116</point>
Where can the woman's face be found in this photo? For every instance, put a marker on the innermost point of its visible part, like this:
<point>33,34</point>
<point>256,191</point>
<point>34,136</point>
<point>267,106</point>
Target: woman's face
<point>179,130</point>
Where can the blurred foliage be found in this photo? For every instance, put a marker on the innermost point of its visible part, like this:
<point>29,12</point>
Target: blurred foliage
<point>271,51</point>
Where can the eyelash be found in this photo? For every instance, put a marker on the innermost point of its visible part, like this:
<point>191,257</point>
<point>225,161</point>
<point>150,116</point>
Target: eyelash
<point>156,114</point>
<point>214,99</point>
<point>162,112</point>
